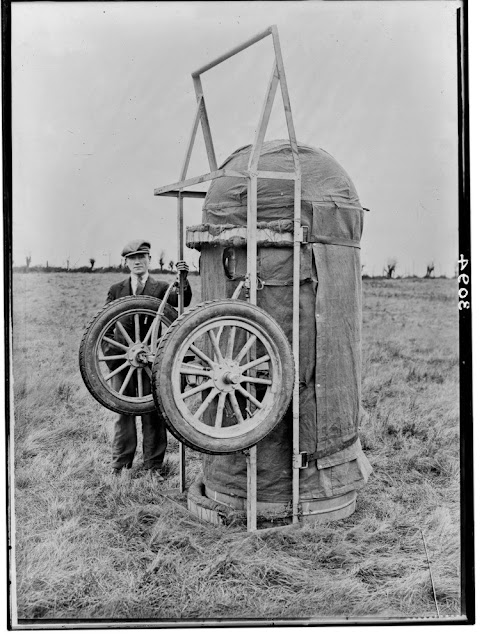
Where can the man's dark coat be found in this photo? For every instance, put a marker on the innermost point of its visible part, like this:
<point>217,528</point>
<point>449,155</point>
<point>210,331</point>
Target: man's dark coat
<point>153,287</point>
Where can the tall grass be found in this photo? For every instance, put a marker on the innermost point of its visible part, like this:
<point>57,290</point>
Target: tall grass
<point>90,545</point>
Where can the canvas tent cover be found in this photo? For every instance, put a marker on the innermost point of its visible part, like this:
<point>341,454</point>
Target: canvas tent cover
<point>330,314</point>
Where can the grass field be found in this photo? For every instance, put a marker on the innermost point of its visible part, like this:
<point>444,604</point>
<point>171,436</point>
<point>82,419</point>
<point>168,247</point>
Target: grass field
<point>90,545</point>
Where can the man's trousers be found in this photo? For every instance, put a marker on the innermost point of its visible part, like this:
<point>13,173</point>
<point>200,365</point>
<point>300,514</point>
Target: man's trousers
<point>125,437</point>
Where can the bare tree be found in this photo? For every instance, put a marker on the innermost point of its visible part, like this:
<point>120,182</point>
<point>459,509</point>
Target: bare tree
<point>171,264</point>
<point>390,268</point>
<point>430,269</point>
<point>162,260</point>
<point>92,261</point>
<point>28,260</point>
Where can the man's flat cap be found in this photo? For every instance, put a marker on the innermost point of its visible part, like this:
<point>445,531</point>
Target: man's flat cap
<point>136,246</point>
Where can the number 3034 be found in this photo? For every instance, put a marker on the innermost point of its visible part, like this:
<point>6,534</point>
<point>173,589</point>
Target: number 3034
<point>463,279</point>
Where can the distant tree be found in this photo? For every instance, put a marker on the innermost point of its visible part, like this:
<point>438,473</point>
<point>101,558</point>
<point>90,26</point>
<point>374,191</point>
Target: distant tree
<point>68,262</point>
<point>47,264</point>
<point>171,264</point>
<point>390,268</point>
<point>162,260</point>
<point>430,269</point>
<point>92,261</point>
<point>28,260</point>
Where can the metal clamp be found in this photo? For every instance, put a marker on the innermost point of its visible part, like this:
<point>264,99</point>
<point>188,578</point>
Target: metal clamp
<point>303,234</point>
<point>259,284</point>
<point>300,460</point>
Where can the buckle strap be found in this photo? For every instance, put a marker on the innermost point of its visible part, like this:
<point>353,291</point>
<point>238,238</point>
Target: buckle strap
<point>301,460</point>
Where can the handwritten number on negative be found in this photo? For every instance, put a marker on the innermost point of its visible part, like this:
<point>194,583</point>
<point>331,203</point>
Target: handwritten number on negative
<point>463,279</point>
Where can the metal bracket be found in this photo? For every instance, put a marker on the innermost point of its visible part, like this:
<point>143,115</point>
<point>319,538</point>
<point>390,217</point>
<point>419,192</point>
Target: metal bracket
<point>247,285</point>
<point>303,234</point>
<point>300,460</point>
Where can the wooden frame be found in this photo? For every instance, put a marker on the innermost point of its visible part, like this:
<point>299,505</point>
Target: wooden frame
<point>252,175</point>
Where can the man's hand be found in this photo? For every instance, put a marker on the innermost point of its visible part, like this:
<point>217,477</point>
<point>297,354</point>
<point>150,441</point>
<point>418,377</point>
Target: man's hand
<point>182,266</point>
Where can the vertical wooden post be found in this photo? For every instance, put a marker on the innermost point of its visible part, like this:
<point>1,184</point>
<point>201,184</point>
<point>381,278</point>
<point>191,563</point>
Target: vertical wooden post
<point>296,271</point>
<point>295,342</point>
<point>251,459</point>
<point>181,308</point>
<point>252,271</point>
<point>252,236</point>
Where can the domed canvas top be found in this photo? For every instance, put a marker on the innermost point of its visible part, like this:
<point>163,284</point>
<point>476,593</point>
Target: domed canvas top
<point>330,207</point>
<point>322,180</point>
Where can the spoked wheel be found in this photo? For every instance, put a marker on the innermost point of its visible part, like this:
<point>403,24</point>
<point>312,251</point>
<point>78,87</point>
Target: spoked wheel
<point>117,352</point>
<point>223,376</point>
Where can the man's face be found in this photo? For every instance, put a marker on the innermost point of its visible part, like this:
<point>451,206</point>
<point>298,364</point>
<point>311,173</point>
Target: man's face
<point>138,263</point>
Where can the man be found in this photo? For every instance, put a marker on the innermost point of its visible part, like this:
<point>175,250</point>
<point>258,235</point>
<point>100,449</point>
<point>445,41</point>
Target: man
<point>137,258</point>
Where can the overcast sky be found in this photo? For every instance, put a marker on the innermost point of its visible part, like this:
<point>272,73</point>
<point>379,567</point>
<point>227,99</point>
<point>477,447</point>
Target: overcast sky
<point>103,103</point>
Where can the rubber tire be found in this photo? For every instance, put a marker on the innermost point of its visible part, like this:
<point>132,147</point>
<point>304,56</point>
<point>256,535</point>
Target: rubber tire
<point>169,347</point>
<point>87,351</point>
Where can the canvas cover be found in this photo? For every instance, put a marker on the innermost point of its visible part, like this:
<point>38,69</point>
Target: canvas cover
<point>330,314</point>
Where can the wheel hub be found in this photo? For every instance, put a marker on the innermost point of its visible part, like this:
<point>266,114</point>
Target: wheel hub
<point>138,355</point>
<point>226,376</point>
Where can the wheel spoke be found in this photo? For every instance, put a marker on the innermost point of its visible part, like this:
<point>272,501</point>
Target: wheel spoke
<point>220,410</point>
<point>137,334</point>
<point>139,375</point>
<point>206,402</point>
<point>115,344</point>
<point>249,396</point>
<point>201,355</point>
<point>256,380</point>
<point>126,380</point>
<point>230,343</point>
<point>148,335</point>
<point>121,356</point>
<point>147,370</point>
<point>216,346</point>
<point>113,373</point>
<point>235,407</point>
<point>126,335</point>
<point>194,390</point>
<point>192,370</point>
<point>246,348</point>
<point>219,332</point>
<point>253,363</point>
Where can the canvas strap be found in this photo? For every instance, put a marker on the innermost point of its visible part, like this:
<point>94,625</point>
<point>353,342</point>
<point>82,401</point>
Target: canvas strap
<point>309,457</point>
<point>343,242</point>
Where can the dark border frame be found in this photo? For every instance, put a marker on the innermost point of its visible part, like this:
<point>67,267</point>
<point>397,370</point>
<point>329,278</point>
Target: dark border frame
<point>465,360</point>
<point>465,327</point>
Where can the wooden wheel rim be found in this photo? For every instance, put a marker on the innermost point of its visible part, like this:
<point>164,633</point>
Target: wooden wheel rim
<point>226,377</point>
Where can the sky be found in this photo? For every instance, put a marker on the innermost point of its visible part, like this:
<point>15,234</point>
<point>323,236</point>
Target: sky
<point>103,103</point>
